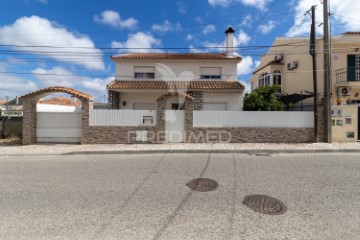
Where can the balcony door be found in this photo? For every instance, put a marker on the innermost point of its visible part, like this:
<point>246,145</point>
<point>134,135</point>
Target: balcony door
<point>353,64</point>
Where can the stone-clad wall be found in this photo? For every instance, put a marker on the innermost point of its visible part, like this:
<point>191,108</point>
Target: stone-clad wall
<point>115,135</point>
<point>251,135</point>
<point>126,135</point>
<point>198,99</point>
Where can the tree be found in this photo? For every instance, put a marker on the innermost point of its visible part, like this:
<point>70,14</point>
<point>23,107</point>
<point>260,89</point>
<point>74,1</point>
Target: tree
<point>263,99</point>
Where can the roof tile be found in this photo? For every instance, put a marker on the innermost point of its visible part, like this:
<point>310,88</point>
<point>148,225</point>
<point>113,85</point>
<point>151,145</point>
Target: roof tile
<point>192,56</point>
<point>190,85</point>
<point>58,89</point>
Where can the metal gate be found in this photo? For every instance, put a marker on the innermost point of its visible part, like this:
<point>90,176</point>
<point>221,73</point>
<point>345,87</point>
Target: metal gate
<point>174,126</point>
<point>58,127</point>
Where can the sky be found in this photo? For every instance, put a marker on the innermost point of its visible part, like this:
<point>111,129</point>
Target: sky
<point>69,43</point>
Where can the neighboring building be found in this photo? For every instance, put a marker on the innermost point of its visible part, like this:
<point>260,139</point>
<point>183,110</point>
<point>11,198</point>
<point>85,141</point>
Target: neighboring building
<point>289,64</point>
<point>13,108</point>
<point>210,78</point>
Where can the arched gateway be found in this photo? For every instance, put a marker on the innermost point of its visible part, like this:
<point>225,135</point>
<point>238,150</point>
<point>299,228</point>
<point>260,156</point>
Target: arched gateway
<point>54,127</point>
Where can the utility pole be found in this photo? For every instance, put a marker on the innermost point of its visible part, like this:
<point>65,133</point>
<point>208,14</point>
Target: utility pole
<point>312,52</point>
<point>327,74</point>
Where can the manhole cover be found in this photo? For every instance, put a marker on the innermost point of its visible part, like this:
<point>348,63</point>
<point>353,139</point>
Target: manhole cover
<point>265,204</point>
<point>203,185</point>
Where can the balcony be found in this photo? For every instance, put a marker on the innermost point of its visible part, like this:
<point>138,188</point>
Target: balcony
<point>347,75</point>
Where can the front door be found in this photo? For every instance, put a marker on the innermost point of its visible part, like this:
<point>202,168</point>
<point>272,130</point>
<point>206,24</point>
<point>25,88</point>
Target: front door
<point>174,126</point>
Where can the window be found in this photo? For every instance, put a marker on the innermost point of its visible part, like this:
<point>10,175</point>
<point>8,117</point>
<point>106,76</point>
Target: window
<point>264,79</point>
<point>144,72</point>
<point>176,106</point>
<point>210,73</point>
<point>277,78</point>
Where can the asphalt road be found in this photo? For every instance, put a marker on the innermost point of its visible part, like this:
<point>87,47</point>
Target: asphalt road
<point>145,196</point>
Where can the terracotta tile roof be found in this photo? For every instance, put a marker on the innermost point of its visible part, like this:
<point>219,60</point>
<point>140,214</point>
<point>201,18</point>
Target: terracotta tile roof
<point>190,85</point>
<point>192,56</point>
<point>60,101</point>
<point>70,91</point>
<point>273,62</point>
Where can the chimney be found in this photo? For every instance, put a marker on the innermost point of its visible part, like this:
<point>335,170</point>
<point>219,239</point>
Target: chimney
<point>17,100</point>
<point>230,41</point>
<point>73,99</point>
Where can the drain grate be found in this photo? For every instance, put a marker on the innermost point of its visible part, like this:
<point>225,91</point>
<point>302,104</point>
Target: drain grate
<point>265,204</point>
<point>203,185</point>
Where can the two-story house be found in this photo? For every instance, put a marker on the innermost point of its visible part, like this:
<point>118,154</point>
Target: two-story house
<point>209,78</point>
<point>289,64</point>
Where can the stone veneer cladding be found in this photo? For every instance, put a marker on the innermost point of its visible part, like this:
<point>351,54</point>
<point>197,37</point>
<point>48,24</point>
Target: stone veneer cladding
<point>113,100</point>
<point>198,99</point>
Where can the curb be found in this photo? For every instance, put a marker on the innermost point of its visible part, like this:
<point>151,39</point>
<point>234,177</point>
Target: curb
<point>201,151</point>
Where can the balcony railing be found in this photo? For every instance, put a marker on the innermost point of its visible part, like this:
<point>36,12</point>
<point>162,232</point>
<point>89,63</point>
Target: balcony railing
<point>347,75</point>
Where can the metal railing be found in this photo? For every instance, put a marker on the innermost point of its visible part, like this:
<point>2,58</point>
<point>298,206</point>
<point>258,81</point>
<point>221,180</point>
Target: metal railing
<point>347,75</point>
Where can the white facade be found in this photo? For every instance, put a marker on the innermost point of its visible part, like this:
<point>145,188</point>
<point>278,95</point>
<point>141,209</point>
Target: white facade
<point>175,70</point>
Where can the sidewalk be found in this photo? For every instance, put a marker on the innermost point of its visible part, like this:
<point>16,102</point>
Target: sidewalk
<point>61,149</point>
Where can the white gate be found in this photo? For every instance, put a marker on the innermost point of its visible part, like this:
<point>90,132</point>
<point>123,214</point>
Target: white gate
<point>174,126</point>
<point>58,127</point>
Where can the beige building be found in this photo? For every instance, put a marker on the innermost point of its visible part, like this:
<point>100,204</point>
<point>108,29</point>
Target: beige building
<point>210,78</point>
<point>289,64</point>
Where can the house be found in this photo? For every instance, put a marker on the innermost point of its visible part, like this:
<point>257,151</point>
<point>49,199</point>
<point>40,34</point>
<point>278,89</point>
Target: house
<point>13,108</point>
<point>289,64</point>
<point>210,78</point>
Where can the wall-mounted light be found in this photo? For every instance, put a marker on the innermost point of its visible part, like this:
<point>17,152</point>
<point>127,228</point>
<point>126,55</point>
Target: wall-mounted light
<point>124,103</point>
<point>356,94</point>
<point>357,49</point>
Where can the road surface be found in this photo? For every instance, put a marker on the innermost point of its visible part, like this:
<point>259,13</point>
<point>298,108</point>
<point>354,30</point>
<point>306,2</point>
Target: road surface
<point>144,196</point>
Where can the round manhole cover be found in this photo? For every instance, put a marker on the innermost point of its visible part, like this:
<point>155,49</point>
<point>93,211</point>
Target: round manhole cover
<point>203,185</point>
<point>265,204</point>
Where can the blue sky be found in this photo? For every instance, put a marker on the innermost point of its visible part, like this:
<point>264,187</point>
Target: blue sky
<point>68,43</point>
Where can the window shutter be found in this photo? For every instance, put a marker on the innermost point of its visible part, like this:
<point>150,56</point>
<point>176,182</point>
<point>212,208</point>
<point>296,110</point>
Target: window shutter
<point>213,71</point>
<point>351,68</point>
<point>144,69</point>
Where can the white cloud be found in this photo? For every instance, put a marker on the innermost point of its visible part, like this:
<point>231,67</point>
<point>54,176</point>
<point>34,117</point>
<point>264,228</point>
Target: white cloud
<point>259,4</point>
<point>59,76</point>
<point>246,66</point>
<point>36,31</point>
<point>199,19</point>
<point>113,19</point>
<point>266,28</point>
<point>182,7</point>
<point>43,1</point>
<point>209,29</point>
<point>245,69</point>
<point>166,26</point>
<point>14,86</point>
<point>344,12</point>
<point>189,37</point>
<point>223,3</point>
<point>143,41</point>
<point>242,39</point>
<point>246,21</point>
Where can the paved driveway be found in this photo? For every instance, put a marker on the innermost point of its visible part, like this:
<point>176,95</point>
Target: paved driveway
<point>145,196</point>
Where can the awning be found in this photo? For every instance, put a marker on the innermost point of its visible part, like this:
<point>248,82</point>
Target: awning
<point>293,98</point>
